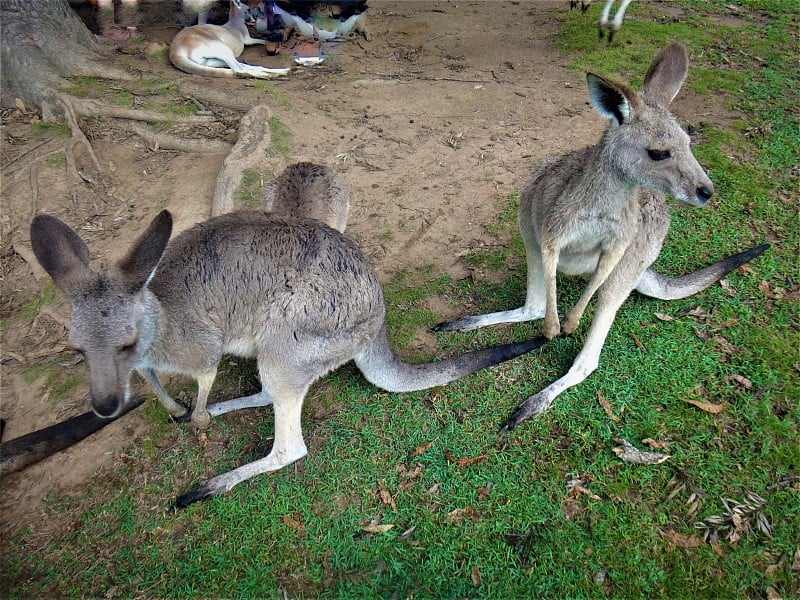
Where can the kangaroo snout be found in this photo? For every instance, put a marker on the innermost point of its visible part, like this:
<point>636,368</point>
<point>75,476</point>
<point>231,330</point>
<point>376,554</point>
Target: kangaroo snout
<point>703,194</point>
<point>107,407</point>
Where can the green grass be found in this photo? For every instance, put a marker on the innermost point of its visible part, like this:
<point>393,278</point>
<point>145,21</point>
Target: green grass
<point>251,190</point>
<point>477,516</point>
<point>281,137</point>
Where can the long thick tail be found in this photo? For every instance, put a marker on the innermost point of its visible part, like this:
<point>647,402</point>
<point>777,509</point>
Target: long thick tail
<point>655,285</point>
<point>383,368</point>
<point>28,449</point>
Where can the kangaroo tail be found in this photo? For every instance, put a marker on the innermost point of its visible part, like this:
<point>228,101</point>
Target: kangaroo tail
<point>383,368</point>
<point>655,285</point>
<point>28,449</point>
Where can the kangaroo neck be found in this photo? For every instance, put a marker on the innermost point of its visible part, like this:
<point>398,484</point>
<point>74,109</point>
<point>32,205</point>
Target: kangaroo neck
<point>152,321</point>
<point>236,24</point>
<point>603,177</point>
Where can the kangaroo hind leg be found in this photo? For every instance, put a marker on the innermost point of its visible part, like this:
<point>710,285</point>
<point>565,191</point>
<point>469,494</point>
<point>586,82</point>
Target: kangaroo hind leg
<point>287,447</point>
<point>535,300</point>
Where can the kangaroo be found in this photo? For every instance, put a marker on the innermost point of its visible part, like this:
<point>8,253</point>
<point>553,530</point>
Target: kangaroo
<point>302,190</point>
<point>309,190</point>
<point>211,50</point>
<point>600,213</point>
<point>604,26</point>
<point>294,293</point>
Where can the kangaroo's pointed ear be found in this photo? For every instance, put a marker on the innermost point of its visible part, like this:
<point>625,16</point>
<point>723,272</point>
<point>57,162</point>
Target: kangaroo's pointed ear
<point>60,251</point>
<point>667,72</point>
<point>143,256</point>
<point>612,100</point>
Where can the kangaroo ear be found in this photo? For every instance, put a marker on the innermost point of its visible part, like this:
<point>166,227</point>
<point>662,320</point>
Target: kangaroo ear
<point>667,72</point>
<point>142,258</point>
<point>612,100</point>
<point>60,251</point>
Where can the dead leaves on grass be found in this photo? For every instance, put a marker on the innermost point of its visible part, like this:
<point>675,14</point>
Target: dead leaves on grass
<point>627,452</point>
<point>737,519</point>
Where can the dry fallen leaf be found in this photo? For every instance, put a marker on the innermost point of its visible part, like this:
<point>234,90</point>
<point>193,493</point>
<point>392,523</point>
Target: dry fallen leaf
<point>377,528</point>
<point>468,462</point>
<point>459,514</point>
<point>742,381</point>
<point>663,317</point>
<point>386,496</point>
<point>707,406</point>
<point>655,444</point>
<point>606,407</point>
<point>637,341</point>
<point>680,540</point>
<point>627,452</point>
<point>421,449</point>
<point>475,574</point>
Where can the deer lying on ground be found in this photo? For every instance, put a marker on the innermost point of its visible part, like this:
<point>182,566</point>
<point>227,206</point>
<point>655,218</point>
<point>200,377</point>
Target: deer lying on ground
<point>294,293</point>
<point>211,50</point>
<point>600,213</point>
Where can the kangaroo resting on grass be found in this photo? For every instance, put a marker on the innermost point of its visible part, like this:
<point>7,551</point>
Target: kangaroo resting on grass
<point>294,293</point>
<point>600,213</point>
<point>303,190</point>
<point>212,49</point>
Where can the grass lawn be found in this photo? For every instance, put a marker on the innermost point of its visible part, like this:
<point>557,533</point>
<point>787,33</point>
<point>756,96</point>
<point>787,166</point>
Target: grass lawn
<point>414,495</point>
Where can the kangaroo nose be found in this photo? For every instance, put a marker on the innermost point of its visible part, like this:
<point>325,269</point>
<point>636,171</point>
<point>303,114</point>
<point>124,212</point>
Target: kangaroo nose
<point>106,408</point>
<point>704,193</point>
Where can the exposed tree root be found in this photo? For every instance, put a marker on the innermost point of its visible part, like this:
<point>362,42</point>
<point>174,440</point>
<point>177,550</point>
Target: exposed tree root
<point>250,149</point>
<point>77,138</point>
<point>165,141</point>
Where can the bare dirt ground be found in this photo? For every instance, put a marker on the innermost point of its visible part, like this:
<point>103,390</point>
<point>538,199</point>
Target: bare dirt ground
<point>442,113</point>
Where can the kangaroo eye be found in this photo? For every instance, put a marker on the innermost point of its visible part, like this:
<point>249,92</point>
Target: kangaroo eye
<point>657,155</point>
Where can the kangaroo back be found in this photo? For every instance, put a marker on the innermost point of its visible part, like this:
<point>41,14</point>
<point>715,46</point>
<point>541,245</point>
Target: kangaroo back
<point>312,191</point>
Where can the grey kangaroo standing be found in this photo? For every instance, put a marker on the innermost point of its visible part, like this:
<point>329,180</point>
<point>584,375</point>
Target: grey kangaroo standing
<point>600,213</point>
<point>309,190</point>
<point>294,293</point>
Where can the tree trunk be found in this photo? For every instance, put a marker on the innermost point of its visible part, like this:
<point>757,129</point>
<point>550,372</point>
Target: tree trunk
<point>43,43</point>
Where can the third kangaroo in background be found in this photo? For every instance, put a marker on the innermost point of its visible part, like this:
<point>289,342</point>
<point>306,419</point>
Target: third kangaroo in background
<point>307,190</point>
<point>600,213</point>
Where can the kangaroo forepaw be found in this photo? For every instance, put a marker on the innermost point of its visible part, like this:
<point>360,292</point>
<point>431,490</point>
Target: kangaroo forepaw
<point>569,325</point>
<point>201,421</point>
<point>532,407</point>
<point>551,330</point>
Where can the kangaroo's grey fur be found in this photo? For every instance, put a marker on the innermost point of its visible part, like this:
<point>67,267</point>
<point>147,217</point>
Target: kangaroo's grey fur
<point>309,190</point>
<point>302,190</point>
<point>600,213</point>
<point>294,293</point>
<point>211,50</point>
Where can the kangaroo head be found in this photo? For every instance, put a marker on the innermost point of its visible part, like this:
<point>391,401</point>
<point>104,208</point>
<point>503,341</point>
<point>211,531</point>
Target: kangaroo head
<point>112,313</point>
<point>644,143</point>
